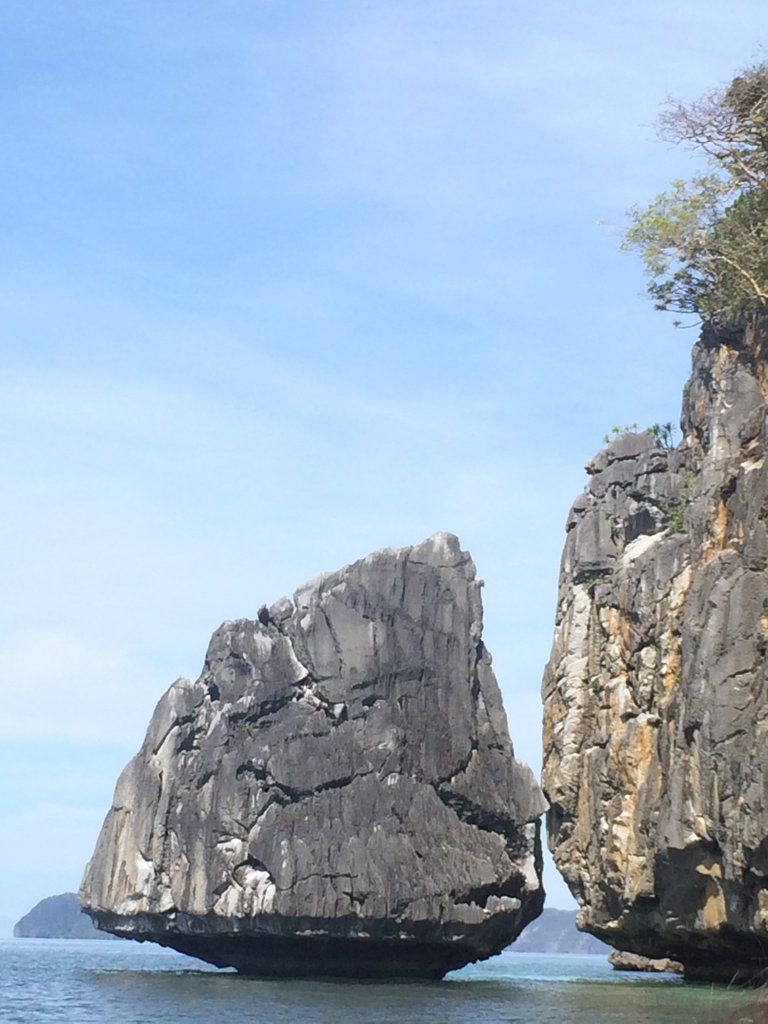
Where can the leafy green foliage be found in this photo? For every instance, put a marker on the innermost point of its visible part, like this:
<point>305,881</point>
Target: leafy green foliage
<point>663,434</point>
<point>676,517</point>
<point>591,580</point>
<point>615,432</point>
<point>704,242</point>
<point>676,510</point>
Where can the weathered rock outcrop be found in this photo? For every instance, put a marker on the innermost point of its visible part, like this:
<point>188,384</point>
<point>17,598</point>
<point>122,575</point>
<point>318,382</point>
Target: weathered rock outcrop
<point>620,960</point>
<point>337,793</point>
<point>656,708</point>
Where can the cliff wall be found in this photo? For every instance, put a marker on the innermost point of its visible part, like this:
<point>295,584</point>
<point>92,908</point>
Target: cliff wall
<point>656,708</point>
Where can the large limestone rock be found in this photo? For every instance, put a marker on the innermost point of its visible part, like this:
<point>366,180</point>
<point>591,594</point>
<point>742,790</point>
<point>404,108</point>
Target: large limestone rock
<point>337,793</point>
<point>656,707</point>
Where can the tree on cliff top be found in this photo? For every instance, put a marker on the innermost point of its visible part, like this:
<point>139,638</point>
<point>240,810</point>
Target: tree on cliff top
<point>704,242</point>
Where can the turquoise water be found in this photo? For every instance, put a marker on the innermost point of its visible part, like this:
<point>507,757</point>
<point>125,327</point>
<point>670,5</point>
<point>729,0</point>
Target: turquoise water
<point>44,981</point>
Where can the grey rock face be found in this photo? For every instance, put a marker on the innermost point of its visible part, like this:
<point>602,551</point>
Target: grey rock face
<point>656,707</point>
<point>337,793</point>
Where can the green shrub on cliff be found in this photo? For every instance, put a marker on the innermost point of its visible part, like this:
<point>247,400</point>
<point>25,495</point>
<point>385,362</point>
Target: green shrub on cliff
<point>704,242</point>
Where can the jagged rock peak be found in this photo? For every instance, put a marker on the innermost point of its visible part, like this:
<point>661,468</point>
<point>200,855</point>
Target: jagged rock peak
<point>655,700</point>
<point>337,793</point>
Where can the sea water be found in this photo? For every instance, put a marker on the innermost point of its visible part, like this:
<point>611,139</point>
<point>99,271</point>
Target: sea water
<point>43,981</point>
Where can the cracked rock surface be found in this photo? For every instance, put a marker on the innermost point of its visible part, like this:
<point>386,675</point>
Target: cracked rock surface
<point>655,699</point>
<point>337,793</point>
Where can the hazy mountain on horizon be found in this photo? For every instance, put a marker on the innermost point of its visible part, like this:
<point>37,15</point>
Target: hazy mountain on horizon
<point>555,931</point>
<point>57,917</point>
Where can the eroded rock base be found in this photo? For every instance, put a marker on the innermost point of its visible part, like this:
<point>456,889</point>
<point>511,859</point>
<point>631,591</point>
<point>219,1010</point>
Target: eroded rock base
<point>623,961</point>
<point>303,952</point>
<point>277,957</point>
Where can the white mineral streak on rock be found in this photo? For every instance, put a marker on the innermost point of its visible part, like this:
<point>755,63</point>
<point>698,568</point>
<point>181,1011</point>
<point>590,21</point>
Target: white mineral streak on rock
<point>145,871</point>
<point>640,546</point>
<point>530,871</point>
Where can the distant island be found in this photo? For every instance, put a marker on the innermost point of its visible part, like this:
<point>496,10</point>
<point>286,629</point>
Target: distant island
<point>57,917</point>
<point>555,931</point>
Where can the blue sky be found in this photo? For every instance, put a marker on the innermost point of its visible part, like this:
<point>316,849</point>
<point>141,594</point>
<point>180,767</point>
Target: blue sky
<point>286,282</point>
